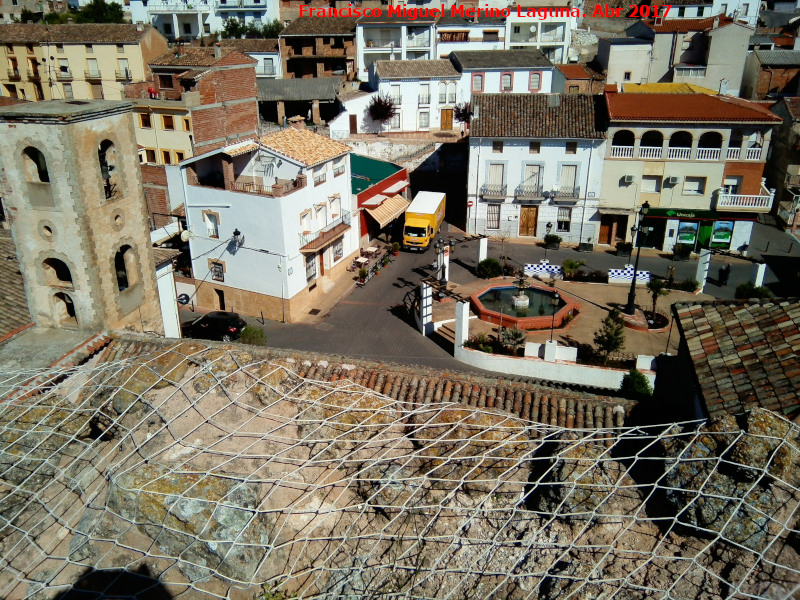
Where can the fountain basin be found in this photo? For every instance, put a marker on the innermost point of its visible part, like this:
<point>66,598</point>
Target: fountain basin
<point>496,304</point>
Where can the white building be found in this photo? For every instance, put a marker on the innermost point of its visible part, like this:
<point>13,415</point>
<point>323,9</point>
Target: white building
<point>505,71</point>
<point>265,51</point>
<point>393,38</point>
<point>745,10</point>
<point>189,19</point>
<point>542,166</point>
<point>271,222</point>
<point>454,34</point>
<point>545,25</point>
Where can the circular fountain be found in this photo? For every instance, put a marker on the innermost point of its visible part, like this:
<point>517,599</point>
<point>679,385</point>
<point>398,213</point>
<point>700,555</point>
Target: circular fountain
<point>525,306</point>
<point>521,301</point>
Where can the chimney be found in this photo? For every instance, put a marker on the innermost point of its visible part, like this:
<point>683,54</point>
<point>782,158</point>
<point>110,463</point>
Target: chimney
<point>716,22</point>
<point>554,100</point>
<point>217,50</point>
<point>723,87</point>
<point>139,26</point>
<point>297,122</point>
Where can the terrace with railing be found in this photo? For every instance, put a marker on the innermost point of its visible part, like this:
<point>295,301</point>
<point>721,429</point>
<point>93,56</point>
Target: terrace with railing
<point>749,202</point>
<point>320,238</point>
<point>681,146</point>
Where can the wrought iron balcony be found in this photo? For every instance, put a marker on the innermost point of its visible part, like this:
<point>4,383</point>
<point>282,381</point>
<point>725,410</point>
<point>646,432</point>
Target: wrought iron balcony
<point>13,74</point>
<point>92,74</point>
<point>64,75</point>
<point>319,238</point>
<point>424,99</point>
<point>33,74</point>
<point>528,192</point>
<point>568,192</point>
<point>124,75</point>
<point>489,190</point>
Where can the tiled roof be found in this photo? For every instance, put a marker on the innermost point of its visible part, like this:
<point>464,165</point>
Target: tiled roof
<point>687,25</point>
<point>532,400</point>
<point>574,71</point>
<point>297,90</point>
<point>97,33</point>
<point>13,303</point>
<point>666,88</point>
<point>190,56</point>
<point>793,105</point>
<point>538,116</point>
<point>417,69</point>
<point>499,59</point>
<point>685,108</point>
<point>251,45</point>
<point>745,353</point>
<point>162,255</point>
<point>318,26</point>
<point>778,58</point>
<point>304,146</point>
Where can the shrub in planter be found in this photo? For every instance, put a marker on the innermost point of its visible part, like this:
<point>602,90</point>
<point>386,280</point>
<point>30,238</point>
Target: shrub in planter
<point>385,260</point>
<point>590,276</point>
<point>682,251</point>
<point>488,268</point>
<point>395,248</point>
<point>687,285</point>
<point>552,241</point>
<point>624,248</point>
<point>253,335</point>
<point>748,290</point>
<point>362,274</point>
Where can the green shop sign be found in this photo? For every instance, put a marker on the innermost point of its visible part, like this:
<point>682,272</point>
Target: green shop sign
<point>711,215</point>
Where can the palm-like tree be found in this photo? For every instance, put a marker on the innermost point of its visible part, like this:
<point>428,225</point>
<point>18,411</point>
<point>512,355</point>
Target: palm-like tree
<point>515,338</point>
<point>571,267</point>
<point>657,288</point>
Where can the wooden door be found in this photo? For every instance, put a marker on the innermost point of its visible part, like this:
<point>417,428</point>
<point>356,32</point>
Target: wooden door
<point>447,119</point>
<point>97,91</point>
<point>605,229</point>
<point>527,220</point>
<point>353,123</point>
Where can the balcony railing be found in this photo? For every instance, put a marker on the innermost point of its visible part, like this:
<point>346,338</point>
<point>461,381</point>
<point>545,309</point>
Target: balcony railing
<point>557,36</point>
<point>13,73</point>
<point>64,75</point>
<point>733,153</point>
<point>708,153</point>
<point>319,179</point>
<point>92,74</point>
<point>395,99</point>
<point>744,153</point>
<point>442,99</point>
<point>338,171</point>
<point>281,188</point>
<point>528,191</point>
<point>651,152</point>
<point>494,190</point>
<point>754,153</point>
<point>753,202</point>
<point>265,71</point>
<point>679,153</point>
<point>418,42</point>
<point>34,74</point>
<point>179,6</point>
<point>124,75</point>
<point>621,151</point>
<point>424,99</point>
<point>693,71</point>
<point>308,238</point>
<point>382,43</point>
<point>568,192</point>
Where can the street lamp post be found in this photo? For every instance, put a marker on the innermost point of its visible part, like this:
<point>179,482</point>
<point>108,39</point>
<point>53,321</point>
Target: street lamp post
<point>630,308</point>
<point>555,300</point>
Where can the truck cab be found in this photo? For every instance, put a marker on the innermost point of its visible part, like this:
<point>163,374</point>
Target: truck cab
<point>417,234</point>
<point>423,220</point>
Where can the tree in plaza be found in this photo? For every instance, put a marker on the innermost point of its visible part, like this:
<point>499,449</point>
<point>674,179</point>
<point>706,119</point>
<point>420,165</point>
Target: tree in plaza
<point>381,109</point>
<point>657,288</point>
<point>610,336</point>
<point>97,11</point>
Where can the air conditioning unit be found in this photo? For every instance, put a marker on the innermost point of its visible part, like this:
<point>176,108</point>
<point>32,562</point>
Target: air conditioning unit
<point>630,178</point>
<point>673,180</point>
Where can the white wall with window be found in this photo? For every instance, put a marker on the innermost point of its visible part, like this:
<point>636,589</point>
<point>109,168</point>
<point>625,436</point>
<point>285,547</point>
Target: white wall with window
<point>510,80</point>
<point>422,102</point>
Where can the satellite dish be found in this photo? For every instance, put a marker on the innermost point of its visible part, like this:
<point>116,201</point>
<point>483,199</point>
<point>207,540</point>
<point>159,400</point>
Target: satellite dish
<point>533,28</point>
<point>186,235</point>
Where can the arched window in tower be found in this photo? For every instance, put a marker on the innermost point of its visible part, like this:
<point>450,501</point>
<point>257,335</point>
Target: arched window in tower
<point>125,268</point>
<point>64,311</point>
<point>56,273</point>
<point>35,165</point>
<point>106,155</point>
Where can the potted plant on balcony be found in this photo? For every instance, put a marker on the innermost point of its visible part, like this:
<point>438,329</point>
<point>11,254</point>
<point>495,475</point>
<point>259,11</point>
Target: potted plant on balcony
<point>362,275</point>
<point>682,252</point>
<point>552,241</point>
<point>624,249</point>
<point>395,248</point>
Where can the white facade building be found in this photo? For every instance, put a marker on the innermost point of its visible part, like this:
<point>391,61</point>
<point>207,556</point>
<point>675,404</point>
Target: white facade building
<point>544,25</point>
<point>265,51</point>
<point>271,222</point>
<point>505,71</point>
<point>742,10</point>
<point>544,166</point>
<point>393,38</point>
<point>457,34</point>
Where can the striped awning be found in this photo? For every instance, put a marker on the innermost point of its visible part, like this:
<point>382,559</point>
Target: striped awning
<point>389,210</point>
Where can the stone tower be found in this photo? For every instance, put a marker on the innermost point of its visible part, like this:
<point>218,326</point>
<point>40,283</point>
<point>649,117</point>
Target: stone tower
<point>72,185</point>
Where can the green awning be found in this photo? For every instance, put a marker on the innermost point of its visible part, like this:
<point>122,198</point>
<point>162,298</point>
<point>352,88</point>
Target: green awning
<point>699,215</point>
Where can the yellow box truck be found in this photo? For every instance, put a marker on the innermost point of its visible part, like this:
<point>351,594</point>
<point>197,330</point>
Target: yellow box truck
<point>424,218</point>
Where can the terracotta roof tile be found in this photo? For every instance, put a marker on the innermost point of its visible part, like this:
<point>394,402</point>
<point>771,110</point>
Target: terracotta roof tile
<point>316,26</point>
<point>499,59</point>
<point>304,146</point>
<point>417,69</point>
<point>98,33</point>
<point>687,25</point>
<point>163,255</point>
<point>574,71</point>
<point>700,108</point>
<point>191,56</point>
<point>251,45</point>
<point>745,353</point>
<point>538,116</point>
<point>13,302</point>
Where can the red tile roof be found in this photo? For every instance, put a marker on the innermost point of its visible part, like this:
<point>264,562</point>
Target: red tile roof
<point>574,71</point>
<point>700,108</point>
<point>191,56</point>
<point>745,354</point>
<point>686,25</point>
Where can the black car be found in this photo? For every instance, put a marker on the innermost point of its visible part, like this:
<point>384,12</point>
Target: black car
<point>218,325</point>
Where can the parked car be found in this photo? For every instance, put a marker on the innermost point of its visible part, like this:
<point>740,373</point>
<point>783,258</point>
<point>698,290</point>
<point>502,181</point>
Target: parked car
<point>217,325</point>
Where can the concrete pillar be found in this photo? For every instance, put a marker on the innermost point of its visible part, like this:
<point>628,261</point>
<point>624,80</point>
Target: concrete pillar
<point>199,24</point>
<point>281,111</point>
<point>315,112</point>
<point>462,323</point>
<point>446,262</point>
<point>425,317</point>
<point>483,249</point>
<point>175,31</point>
<point>757,276</point>
<point>550,350</point>
<point>702,267</point>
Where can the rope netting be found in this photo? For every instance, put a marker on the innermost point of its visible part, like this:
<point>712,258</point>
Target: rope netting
<point>198,472</point>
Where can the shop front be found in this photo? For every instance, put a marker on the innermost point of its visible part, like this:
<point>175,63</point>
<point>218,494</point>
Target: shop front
<point>699,229</point>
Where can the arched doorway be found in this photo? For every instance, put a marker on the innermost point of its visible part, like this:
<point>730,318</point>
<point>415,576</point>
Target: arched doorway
<point>64,314</point>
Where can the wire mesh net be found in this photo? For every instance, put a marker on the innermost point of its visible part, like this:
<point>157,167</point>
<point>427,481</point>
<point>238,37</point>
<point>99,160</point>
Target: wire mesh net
<point>205,472</point>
